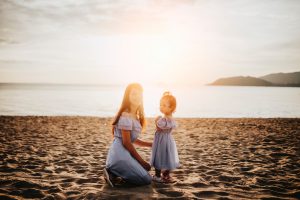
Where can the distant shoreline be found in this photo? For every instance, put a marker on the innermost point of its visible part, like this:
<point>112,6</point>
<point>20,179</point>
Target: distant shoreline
<point>114,86</point>
<point>292,85</point>
<point>270,80</point>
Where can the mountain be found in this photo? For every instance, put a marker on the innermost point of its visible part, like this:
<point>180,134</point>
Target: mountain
<point>278,79</point>
<point>283,78</point>
<point>242,81</point>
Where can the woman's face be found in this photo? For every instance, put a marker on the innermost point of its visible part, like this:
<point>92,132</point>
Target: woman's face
<point>135,97</point>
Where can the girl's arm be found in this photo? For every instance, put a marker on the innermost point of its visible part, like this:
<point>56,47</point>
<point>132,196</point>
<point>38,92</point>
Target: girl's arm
<point>142,143</point>
<point>128,145</point>
<point>156,119</point>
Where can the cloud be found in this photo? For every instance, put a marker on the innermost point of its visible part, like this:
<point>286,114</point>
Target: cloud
<point>213,36</point>
<point>32,19</point>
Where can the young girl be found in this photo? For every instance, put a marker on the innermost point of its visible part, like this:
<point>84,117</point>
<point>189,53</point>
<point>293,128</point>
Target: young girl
<point>164,152</point>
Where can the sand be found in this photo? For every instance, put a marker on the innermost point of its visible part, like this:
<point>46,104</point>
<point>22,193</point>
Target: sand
<point>63,158</point>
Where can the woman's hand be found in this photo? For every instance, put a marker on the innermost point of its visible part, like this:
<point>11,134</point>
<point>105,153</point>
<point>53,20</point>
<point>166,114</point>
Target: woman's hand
<point>142,143</point>
<point>128,145</point>
<point>146,166</point>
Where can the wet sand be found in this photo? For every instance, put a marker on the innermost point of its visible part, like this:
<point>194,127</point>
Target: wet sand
<point>63,158</point>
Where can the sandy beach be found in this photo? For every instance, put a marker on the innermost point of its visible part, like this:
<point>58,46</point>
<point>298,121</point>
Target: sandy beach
<point>63,158</point>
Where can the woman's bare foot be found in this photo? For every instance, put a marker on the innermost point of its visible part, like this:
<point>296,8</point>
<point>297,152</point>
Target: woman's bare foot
<point>107,177</point>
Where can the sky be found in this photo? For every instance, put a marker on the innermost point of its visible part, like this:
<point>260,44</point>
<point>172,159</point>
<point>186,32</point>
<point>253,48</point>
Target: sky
<point>153,42</point>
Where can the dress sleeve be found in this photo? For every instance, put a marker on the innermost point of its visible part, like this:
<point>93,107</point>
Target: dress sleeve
<point>125,123</point>
<point>164,123</point>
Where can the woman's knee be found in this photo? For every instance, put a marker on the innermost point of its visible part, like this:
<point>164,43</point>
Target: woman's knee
<point>147,179</point>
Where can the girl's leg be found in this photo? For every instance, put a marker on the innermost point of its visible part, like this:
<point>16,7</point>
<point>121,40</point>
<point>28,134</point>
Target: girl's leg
<point>157,172</point>
<point>157,177</point>
<point>166,174</point>
<point>167,178</point>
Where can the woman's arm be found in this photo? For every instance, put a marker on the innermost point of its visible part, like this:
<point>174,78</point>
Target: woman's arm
<point>142,143</point>
<point>128,145</point>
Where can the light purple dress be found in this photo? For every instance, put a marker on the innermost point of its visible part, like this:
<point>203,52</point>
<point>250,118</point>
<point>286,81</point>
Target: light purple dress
<point>164,152</point>
<point>119,161</point>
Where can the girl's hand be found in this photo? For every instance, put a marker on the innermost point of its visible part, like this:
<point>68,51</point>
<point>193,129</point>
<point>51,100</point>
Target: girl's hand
<point>157,128</point>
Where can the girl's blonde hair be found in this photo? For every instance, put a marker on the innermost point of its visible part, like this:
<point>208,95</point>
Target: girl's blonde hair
<point>171,99</point>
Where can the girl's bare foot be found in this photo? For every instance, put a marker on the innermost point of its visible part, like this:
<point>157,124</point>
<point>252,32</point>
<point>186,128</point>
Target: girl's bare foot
<point>157,179</point>
<point>168,179</point>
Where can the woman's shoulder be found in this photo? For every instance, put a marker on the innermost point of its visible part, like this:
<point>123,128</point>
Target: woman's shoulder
<point>125,121</point>
<point>125,114</point>
<point>128,116</point>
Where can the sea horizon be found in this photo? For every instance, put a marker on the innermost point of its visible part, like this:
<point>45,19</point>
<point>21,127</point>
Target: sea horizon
<point>55,99</point>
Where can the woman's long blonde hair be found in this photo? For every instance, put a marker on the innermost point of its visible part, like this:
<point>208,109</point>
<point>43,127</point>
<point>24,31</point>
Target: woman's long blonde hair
<point>125,106</point>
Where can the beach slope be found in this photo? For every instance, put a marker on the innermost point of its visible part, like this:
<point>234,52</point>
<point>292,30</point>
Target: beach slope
<point>63,157</point>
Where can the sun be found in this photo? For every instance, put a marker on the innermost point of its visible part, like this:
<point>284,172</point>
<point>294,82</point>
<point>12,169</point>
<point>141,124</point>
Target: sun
<point>155,56</point>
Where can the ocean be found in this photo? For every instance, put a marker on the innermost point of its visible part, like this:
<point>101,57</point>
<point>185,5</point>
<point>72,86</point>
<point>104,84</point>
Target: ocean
<point>192,102</point>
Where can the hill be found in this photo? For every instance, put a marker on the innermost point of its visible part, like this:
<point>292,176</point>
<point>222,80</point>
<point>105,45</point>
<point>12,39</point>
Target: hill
<point>242,81</point>
<point>283,78</point>
<point>276,79</point>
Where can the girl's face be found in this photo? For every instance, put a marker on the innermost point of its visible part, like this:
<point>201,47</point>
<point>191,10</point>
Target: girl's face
<point>165,107</point>
<point>135,97</point>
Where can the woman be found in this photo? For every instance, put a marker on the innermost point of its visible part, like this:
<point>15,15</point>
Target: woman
<point>123,160</point>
